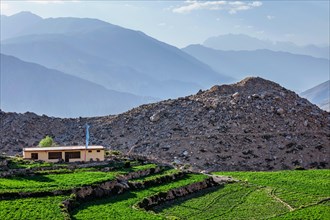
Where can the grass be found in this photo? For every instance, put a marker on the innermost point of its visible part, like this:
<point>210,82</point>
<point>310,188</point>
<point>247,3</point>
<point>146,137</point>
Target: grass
<point>233,201</point>
<point>321,211</point>
<point>62,181</point>
<point>120,207</point>
<point>261,195</point>
<point>297,188</point>
<point>300,190</point>
<point>31,208</point>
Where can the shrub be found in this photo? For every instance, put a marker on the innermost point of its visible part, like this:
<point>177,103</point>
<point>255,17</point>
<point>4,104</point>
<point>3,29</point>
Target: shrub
<point>46,142</point>
<point>116,152</point>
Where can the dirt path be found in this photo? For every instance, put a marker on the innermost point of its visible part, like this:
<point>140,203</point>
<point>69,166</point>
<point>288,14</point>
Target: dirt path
<point>272,194</point>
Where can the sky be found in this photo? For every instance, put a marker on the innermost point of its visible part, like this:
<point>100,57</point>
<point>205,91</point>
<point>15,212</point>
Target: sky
<point>181,23</point>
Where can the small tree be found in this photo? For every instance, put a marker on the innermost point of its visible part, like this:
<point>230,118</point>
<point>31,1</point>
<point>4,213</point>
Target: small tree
<point>46,142</point>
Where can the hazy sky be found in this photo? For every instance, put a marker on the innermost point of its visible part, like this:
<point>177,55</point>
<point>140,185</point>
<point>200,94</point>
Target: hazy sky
<point>181,23</point>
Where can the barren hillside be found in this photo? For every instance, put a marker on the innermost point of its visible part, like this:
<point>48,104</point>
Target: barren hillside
<point>251,125</point>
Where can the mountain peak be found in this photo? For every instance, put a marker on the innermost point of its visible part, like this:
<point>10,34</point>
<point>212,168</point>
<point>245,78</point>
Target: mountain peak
<point>255,81</point>
<point>247,87</point>
<point>26,14</point>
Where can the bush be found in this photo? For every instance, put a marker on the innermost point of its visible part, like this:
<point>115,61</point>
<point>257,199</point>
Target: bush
<point>46,142</point>
<point>116,152</point>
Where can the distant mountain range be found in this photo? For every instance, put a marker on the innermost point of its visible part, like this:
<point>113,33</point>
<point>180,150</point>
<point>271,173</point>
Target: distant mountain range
<point>293,71</point>
<point>245,42</point>
<point>109,55</point>
<point>319,95</point>
<point>119,67</point>
<point>32,87</point>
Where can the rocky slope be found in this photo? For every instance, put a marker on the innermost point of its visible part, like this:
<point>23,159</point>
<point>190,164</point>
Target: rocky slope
<point>251,125</point>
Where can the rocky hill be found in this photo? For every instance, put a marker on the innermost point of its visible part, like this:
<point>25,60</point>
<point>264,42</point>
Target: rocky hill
<point>251,125</point>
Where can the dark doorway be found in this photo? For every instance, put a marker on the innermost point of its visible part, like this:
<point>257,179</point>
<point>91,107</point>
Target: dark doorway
<point>67,158</point>
<point>34,156</point>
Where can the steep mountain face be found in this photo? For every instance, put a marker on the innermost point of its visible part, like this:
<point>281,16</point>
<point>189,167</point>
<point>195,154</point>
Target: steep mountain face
<point>296,72</point>
<point>112,56</point>
<point>245,42</point>
<point>251,125</point>
<point>31,87</point>
<point>319,95</point>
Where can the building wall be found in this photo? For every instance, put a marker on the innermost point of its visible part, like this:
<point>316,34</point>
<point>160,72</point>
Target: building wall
<point>93,155</point>
<point>90,154</point>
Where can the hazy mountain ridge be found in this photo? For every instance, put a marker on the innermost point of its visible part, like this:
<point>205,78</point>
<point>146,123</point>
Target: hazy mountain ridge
<point>14,24</point>
<point>120,59</point>
<point>31,87</point>
<point>251,125</point>
<point>245,42</point>
<point>319,95</point>
<point>293,71</point>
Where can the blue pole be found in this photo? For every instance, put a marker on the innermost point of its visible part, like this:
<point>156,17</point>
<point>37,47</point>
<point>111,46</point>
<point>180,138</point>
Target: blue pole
<point>87,139</point>
<point>87,135</point>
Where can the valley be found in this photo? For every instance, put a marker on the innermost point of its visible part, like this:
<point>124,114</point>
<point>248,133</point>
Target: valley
<point>136,110</point>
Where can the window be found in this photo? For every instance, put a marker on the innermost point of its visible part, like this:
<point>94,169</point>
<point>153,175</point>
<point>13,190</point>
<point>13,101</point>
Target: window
<point>98,151</point>
<point>72,155</point>
<point>54,155</point>
<point>89,151</point>
<point>34,156</point>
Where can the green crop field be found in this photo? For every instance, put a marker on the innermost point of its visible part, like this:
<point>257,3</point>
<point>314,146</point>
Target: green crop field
<point>297,188</point>
<point>61,181</point>
<point>261,195</point>
<point>121,207</point>
<point>31,208</point>
<point>257,195</point>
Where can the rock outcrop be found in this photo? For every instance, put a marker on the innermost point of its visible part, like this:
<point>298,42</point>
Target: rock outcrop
<point>251,125</point>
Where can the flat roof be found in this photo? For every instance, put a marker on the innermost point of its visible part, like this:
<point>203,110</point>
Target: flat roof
<point>63,148</point>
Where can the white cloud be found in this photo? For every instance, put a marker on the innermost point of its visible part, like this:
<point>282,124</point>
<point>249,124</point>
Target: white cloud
<point>4,8</point>
<point>230,6</point>
<point>270,17</point>
<point>161,24</point>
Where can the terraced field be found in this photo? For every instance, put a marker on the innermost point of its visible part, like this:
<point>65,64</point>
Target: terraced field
<point>260,195</point>
<point>61,181</point>
<point>122,206</point>
<point>257,195</point>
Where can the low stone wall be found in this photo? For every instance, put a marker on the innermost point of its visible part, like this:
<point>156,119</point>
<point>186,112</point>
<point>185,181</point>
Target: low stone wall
<point>148,203</point>
<point>115,187</point>
<point>111,188</point>
<point>157,181</point>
